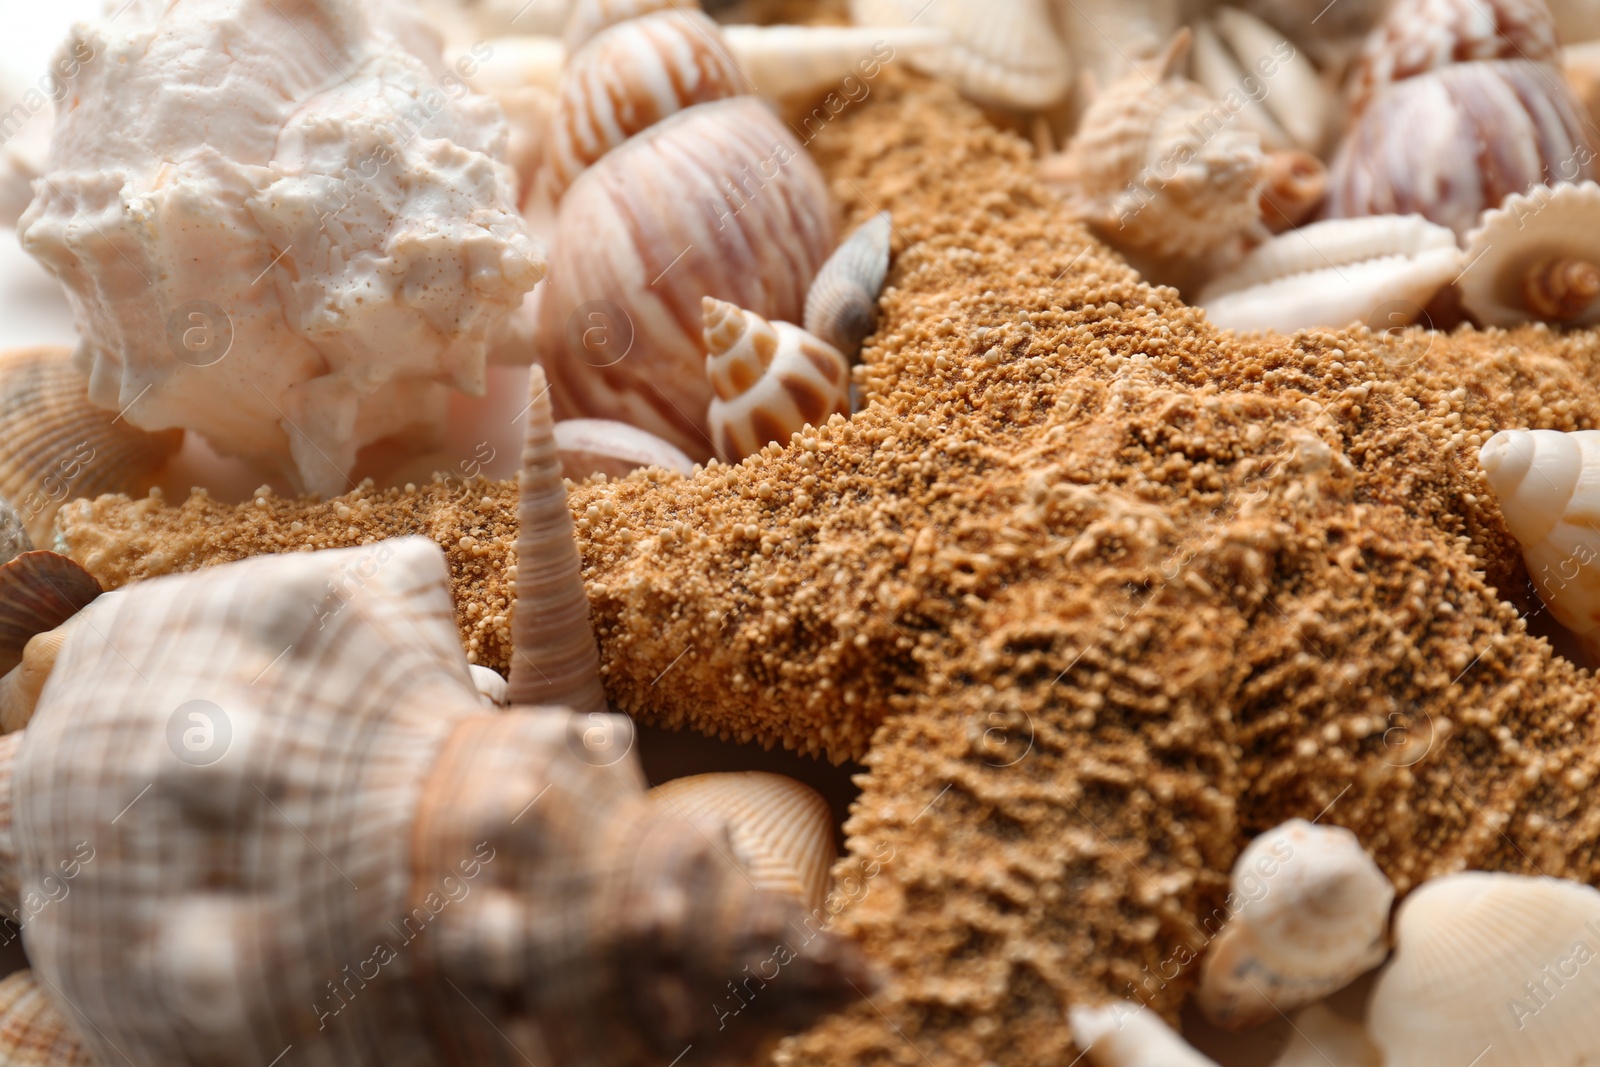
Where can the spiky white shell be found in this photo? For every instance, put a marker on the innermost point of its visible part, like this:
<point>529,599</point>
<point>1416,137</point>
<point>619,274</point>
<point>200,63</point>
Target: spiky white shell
<point>1006,55</point>
<point>1126,1034</point>
<point>770,380</point>
<point>1379,270</point>
<point>1315,915</point>
<point>719,200</point>
<point>1514,239</point>
<point>1247,64</point>
<point>1320,1037</point>
<point>1495,969</point>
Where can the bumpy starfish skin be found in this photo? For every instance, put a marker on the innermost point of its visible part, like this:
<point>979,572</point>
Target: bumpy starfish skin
<point>1094,590</point>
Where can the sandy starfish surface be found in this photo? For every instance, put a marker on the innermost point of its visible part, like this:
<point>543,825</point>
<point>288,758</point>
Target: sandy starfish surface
<point>1095,591</point>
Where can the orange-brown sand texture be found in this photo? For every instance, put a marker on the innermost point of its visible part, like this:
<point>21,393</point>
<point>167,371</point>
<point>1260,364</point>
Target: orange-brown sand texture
<point>1095,591</point>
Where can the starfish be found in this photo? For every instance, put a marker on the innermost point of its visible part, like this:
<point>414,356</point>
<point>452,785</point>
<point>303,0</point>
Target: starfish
<point>1094,590</point>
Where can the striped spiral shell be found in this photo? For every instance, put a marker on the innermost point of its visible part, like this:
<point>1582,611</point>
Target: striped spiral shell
<point>770,379</point>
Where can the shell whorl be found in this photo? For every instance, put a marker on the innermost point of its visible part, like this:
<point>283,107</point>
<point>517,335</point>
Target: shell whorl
<point>591,17</point>
<point>1561,289</point>
<point>1534,257</point>
<point>1534,474</point>
<point>842,306</point>
<point>556,660</point>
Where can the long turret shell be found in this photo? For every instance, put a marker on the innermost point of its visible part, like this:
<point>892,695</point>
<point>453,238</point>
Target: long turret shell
<point>1381,270</point>
<point>615,449</point>
<point>1536,256</point>
<point>842,306</point>
<point>1127,1034</point>
<point>1495,970</point>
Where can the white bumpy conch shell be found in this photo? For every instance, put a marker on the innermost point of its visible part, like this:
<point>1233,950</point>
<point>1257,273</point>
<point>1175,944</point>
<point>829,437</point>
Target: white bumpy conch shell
<point>1257,71</point>
<point>1536,257</point>
<point>1315,916</point>
<point>1381,271</point>
<point>277,227</point>
<point>1126,1034</point>
<point>1545,482</point>
<point>770,380</point>
<point>1496,970</point>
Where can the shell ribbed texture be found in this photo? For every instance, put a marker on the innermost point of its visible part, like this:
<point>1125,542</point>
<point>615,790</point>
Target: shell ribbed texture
<point>842,306</point>
<point>33,1031</point>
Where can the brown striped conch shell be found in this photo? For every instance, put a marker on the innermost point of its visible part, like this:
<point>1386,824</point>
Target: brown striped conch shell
<point>1128,1034</point>
<point>1497,970</point>
<point>1381,271</point>
<point>58,446</point>
<point>770,379</point>
<point>842,306</point>
<point>1452,142</point>
<point>1314,915</point>
<point>33,1031</point>
<point>1256,72</point>
<point>1536,257</point>
<point>780,829</point>
<point>718,200</point>
<point>39,591</point>
<point>1003,55</point>
<point>615,449</point>
<point>428,881</point>
<point>1544,482</point>
<point>1320,1037</point>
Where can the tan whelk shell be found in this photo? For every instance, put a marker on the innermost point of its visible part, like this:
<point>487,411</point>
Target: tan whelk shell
<point>781,829</point>
<point>770,379</point>
<point>39,591</point>
<point>1380,270</point>
<point>1315,916</point>
<point>1246,63</point>
<point>33,1031</point>
<point>1499,970</point>
<point>842,306</point>
<point>615,449</point>
<point>1127,1034</point>
<point>1536,256</point>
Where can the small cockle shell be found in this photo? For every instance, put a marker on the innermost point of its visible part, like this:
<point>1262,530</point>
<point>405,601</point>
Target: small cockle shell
<point>1002,55</point>
<point>1536,256</point>
<point>770,379</point>
<point>1244,62</point>
<point>1381,271</point>
<point>615,449</point>
<point>58,446</point>
<point>33,1031</point>
<point>1315,916</point>
<point>1495,970</point>
<point>1450,143</point>
<point>39,591</point>
<point>1127,1034</point>
<point>781,829</point>
<point>1320,1037</point>
<point>1544,481</point>
<point>842,306</point>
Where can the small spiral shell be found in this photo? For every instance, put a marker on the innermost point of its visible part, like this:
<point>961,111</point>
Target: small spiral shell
<point>842,306</point>
<point>770,379</point>
<point>1534,257</point>
<point>1561,290</point>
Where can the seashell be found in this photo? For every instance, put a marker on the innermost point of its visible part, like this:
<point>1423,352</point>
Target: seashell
<point>1455,141</point>
<point>1256,72</point>
<point>781,829</point>
<point>615,449</point>
<point>1331,35</point>
<point>39,591</point>
<point>789,61</point>
<point>1320,1037</point>
<point>1580,64</point>
<point>1002,55</point>
<point>20,687</point>
<point>719,200</point>
<point>842,306</point>
<point>33,1032</point>
<point>1159,168</point>
<point>556,660</point>
<point>1417,36</point>
<point>1492,969</point>
<point>629,77</point>
<point>58,445</point>
<point>1535,257</point>
<point>1314,916</point>
<point>770,379</point>
<point>27,143</point>
<point>1126,1034</point>
<point>1293,187</point>
<point>1381,270</point>
<point>304,268</point>
<point>426,882</point>
<point>1540,478</point>
<point>587,19</point>
<point>492,688</point>
<point>1108,39</point>
<point>14,539</point>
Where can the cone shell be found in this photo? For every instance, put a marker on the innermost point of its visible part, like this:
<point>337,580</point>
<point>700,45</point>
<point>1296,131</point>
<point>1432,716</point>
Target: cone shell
<point>1453,142</point>
<point>58,446</point>
<point>842,306</point>
<point>615,449</point>
<point>589,18</point>
<point>38,592</point>
<point>1494,969</point>
<point>1514,247</point>
<point>33,1031</point>
<point>1382,271</point>
<point>771,380</point>
<point>781,830</point>
<point>719,200</point>
<point>631,76</point>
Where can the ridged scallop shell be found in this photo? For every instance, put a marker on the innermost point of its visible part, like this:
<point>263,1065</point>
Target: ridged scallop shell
<point>1003,55</point>
<point>20,687</point>
<point>1248,65</point>
<point>39,591</point>
<point>631,76</point>
<point>1160,168</point>
<point>1496,970</point>
<point>1382,271</point>
<point>1458,140</point>
<point>1417,36</point>
<point>781,829</point>
<point>842,306</point>
<point>719,200</point>
<point>33,1031</point>
<point>589,18</point>
<point>615,449</point>
<point>1128,1034</point>
<point>1314,916</point>
<point>771,379</point>
<point>1516,246</point>
<point>57,446</point>
<point>1320,1037</point>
